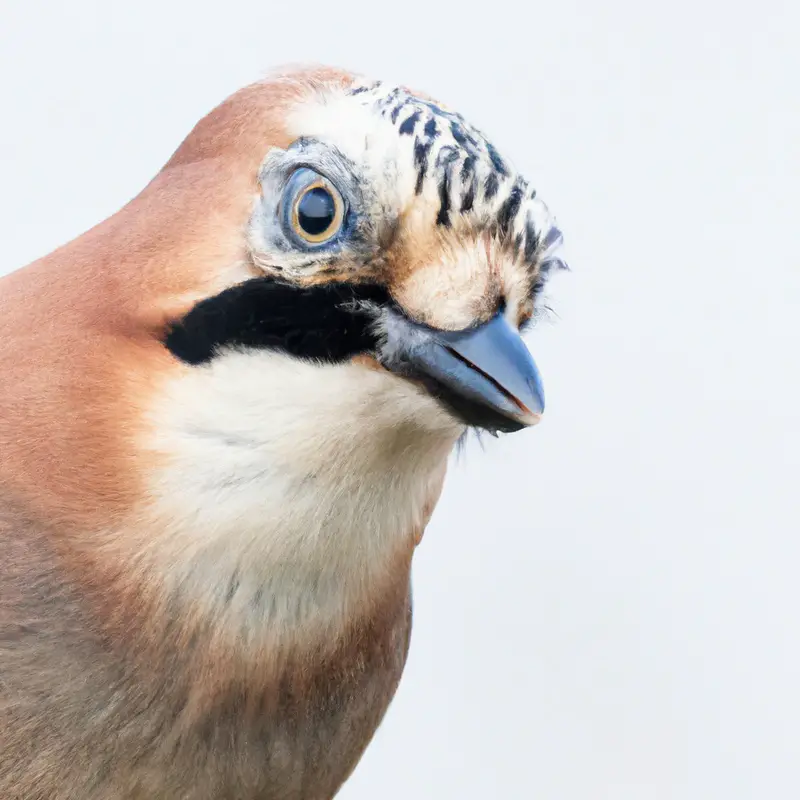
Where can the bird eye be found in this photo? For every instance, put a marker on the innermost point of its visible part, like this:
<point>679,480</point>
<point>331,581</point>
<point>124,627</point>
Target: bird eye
<point>317,209</point>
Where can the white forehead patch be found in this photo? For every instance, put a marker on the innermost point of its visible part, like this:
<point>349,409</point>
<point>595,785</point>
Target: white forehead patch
<point>341,120</point>
<point>415,148</point>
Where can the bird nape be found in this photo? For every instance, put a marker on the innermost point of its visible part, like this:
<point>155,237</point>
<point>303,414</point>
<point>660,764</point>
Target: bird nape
<point>224,424</point>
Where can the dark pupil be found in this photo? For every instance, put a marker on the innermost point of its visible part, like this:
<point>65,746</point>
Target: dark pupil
<point>316,211</point>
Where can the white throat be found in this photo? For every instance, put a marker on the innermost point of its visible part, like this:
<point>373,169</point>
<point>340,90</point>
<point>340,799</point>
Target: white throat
<point>287,488</point>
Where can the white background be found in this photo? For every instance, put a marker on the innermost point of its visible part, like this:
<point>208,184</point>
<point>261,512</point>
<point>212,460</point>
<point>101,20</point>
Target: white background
<point>607,605</point>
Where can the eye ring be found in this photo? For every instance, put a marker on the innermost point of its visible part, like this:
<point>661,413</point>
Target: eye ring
<point>317,210</point>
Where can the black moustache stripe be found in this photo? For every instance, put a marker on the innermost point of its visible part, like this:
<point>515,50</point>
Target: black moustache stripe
<point>321,322</point>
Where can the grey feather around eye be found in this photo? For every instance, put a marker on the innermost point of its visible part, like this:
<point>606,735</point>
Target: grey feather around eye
<point>284,173</point>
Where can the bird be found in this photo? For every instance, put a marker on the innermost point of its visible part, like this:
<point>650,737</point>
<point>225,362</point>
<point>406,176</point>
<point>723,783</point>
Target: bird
<point>226,415</point>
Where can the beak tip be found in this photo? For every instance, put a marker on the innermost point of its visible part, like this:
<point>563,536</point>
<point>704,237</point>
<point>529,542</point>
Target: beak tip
<point>531,405</point>
<point>529,418</point>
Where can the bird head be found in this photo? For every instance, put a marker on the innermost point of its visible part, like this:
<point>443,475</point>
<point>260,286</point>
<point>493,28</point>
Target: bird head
<point>288,328</point>
<point>389,231</point>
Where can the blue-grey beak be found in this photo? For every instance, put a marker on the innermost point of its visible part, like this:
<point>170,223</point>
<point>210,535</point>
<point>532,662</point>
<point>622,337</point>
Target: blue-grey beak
<point>485,374</point>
